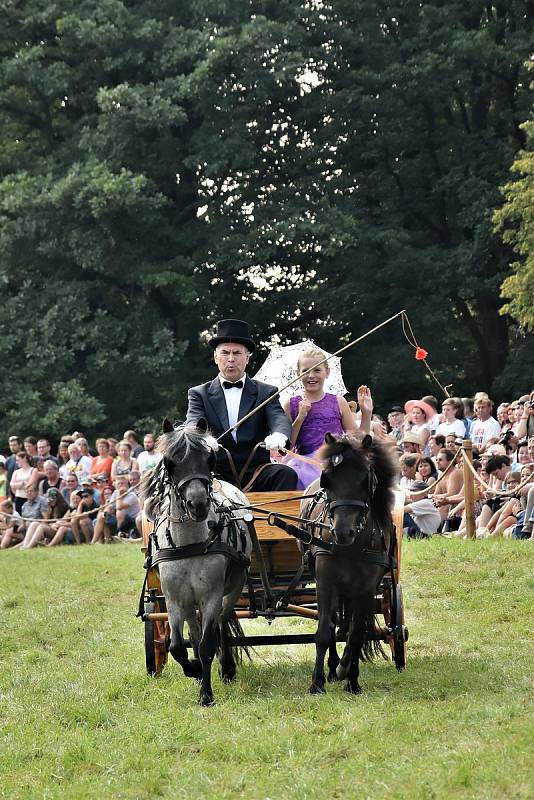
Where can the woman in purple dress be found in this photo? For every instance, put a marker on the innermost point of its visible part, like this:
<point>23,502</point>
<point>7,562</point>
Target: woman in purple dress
<point>318,412</point>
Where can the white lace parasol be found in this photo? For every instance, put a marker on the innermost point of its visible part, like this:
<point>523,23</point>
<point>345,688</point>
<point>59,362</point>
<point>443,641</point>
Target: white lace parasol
<point>280,367</point>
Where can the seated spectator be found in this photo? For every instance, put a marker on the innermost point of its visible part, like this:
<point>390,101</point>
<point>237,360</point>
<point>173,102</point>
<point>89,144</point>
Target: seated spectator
<point>435,444</point>
<point>131,437</point>
<point>451,424</point>
<point>149,457</point>
<point>83,521</point>
<point>124,464</point>
<point>411,443</point>
<point>90,483</point>
<point>78,464</point>
<point>521,455</point>
<point>83,444</point>
<point>52,478</point>
<point>11,526</point>
<point>127,508</point>
<point>497,468</point>
<point>113,447</point>
<point>449,488</point>
<point>434,421</point>
<point>452,442</point>
<point>485,429</point>
<point>103,462</point>
<point>427,471</point>
<point>63,451</point>
<point>506,517</point>
<point>44,450</point>
<point>408,464</point>
<point>24,476</point>
<point>33,509</point>
<point>396,422</point>
<point>418,416</point>
<point>106,520</point>
<point>421,512</point>
<point>502,417</point>
<point>53,518</point>
<point>70,487</point>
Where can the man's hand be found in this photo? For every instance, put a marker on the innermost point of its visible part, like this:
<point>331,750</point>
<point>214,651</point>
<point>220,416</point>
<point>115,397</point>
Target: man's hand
<point>275,441</point>
<point>365,400</point>
<point>212,442</point>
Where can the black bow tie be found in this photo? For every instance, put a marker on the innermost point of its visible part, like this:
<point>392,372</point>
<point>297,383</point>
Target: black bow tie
<point>236,385</point>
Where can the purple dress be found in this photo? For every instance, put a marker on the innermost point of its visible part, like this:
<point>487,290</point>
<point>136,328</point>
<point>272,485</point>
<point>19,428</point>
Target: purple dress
<point>323,417</point>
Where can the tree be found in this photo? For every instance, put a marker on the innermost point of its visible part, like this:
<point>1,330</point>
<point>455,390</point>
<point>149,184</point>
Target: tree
<point>515,221</point>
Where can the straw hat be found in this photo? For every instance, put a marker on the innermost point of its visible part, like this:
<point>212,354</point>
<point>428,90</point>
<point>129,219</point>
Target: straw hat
<point>412,437</point>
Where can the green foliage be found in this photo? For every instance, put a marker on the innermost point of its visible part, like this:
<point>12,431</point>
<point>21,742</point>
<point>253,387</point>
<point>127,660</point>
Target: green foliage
<point>515,220</point>
<point>312,168</point>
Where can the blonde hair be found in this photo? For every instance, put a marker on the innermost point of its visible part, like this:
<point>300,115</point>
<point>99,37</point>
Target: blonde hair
<point>312,351</point>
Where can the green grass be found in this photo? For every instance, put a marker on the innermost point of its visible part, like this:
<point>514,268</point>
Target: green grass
<point>79,718</point>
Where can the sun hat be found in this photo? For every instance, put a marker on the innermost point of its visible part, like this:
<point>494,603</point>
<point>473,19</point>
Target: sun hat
<point>412,438</point>
<point>427,409</point>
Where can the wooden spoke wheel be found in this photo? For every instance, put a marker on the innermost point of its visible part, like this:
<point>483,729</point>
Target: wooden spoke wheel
<point>400,631</point>
<point>156,633</point>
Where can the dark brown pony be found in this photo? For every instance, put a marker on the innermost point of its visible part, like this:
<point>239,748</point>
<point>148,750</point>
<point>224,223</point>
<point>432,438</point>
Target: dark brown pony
<point>357,479</point>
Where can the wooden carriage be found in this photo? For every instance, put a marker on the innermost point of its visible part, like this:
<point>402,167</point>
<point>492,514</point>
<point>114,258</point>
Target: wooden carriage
<point>280,585</point>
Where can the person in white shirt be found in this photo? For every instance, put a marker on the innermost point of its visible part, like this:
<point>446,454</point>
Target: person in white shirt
<point>450,425</point>
<point>485,429</point>
<point>422,510</point>
<point>78,464</point>
<point>149,457</point>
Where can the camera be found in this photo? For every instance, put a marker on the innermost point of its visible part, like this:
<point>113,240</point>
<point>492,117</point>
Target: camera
<point>506,437</point>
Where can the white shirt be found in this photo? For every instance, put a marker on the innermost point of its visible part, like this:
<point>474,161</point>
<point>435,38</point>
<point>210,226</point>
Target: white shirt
<point>481,432</point>
<point>455,427</point>
<point>426,515</point>
<point>147,460</point>
<point>232,398</point>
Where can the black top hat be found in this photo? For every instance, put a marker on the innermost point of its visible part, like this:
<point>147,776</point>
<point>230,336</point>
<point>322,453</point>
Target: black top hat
<point>232,330</point>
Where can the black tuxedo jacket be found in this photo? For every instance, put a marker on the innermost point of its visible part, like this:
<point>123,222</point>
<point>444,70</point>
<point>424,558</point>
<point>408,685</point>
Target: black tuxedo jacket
<point>207,400</point>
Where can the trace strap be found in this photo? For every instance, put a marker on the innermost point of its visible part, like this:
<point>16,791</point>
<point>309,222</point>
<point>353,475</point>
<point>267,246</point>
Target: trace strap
<point>330,548</point>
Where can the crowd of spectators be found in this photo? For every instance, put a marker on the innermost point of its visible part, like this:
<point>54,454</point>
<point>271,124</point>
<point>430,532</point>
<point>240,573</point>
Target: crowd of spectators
<point>78,494</point>
<point>81,494</point>
<point>429,445</point>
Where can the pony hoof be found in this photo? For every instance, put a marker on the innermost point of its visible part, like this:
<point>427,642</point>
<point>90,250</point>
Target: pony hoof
<point>332,677</point>
<point>315,689</point>
<point>206,699</point>
<point>229,677</point>
<point>353,689</point>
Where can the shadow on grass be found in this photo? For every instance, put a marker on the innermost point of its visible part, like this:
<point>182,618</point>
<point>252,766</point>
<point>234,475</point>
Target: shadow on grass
<point>430,678</point>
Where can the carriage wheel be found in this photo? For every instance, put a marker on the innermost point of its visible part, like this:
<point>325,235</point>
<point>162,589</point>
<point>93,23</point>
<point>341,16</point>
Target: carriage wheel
<point>155,641</point>
<point>400,631</point>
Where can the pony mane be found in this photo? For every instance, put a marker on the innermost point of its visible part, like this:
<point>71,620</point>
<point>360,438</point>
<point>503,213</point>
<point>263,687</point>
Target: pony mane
<point>174,446</point>
<point>378,456</point>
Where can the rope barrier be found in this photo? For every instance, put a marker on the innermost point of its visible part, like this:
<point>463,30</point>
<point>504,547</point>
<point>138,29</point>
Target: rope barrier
<point>499,492</point>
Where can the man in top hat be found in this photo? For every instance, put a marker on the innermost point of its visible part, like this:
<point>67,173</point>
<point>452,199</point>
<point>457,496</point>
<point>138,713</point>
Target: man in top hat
<point>230,397</point>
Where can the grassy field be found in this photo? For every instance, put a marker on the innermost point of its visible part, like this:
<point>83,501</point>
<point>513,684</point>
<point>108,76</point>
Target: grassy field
<point>79,718</point>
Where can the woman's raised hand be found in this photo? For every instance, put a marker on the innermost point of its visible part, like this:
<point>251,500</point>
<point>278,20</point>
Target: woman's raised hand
<point>365,399</point>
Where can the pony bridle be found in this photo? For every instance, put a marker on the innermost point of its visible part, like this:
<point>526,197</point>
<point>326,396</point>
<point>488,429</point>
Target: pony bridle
<point>364,505</point>
<point>178,487</point>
